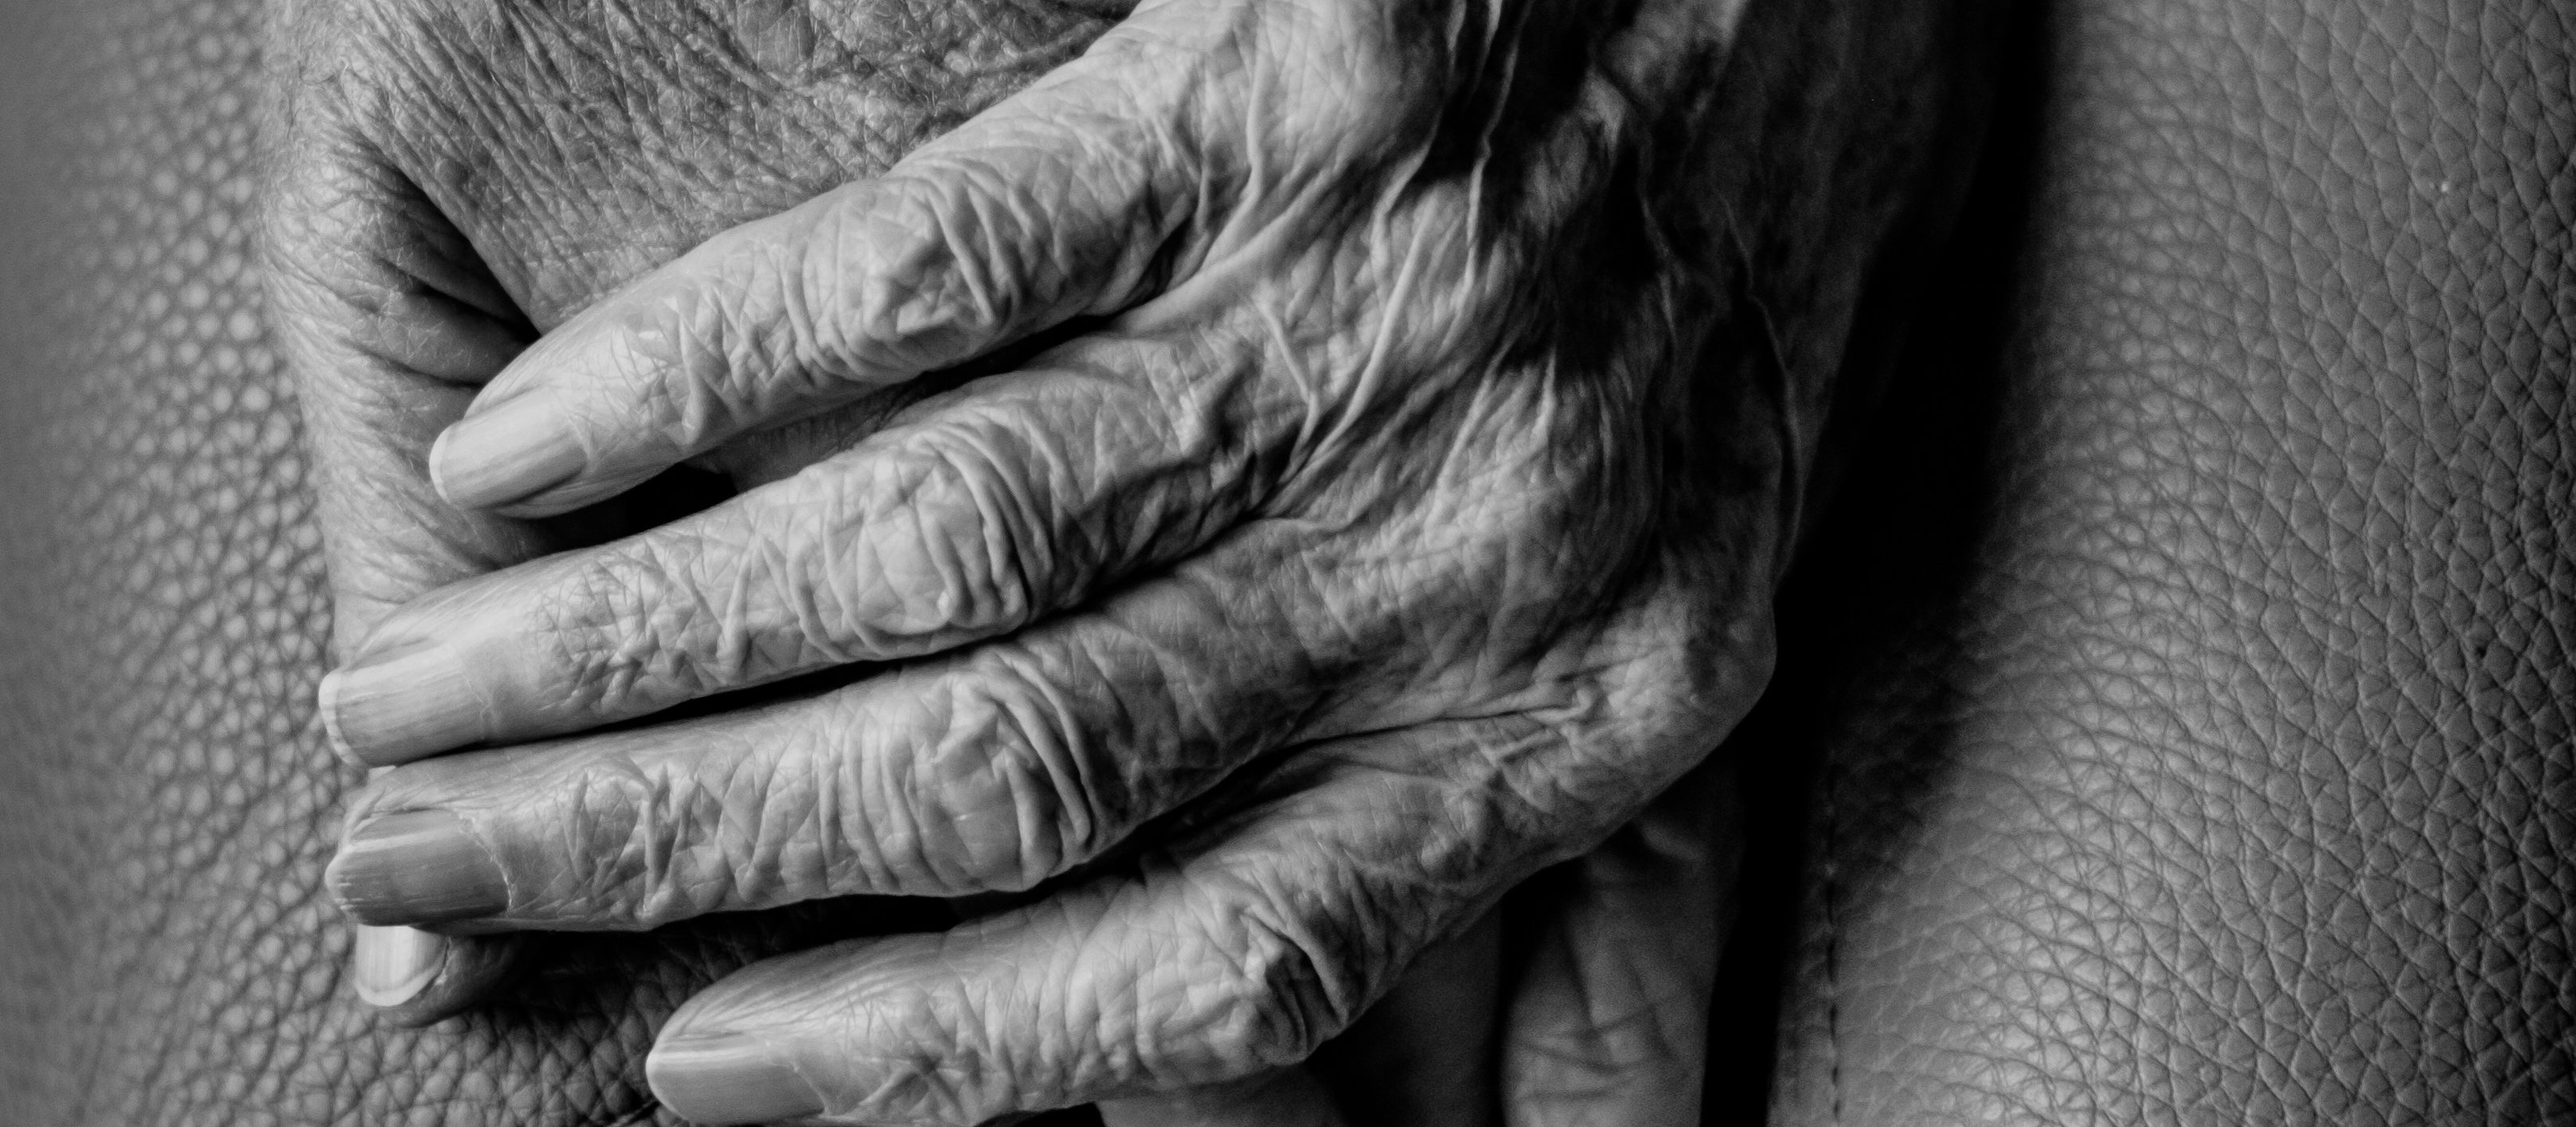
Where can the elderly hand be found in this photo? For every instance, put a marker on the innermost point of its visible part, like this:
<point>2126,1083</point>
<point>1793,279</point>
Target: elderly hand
<point>1330,487</point>
<point>1383,539</point>
<point>438,186</point>
<point>450,180</point>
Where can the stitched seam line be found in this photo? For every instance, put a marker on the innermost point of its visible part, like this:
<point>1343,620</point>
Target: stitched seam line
<point>1832,892</point>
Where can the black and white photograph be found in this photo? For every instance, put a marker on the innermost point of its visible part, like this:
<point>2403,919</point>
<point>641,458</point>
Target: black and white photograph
<point>1288,563</point>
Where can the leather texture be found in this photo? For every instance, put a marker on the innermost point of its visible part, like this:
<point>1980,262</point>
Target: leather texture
<point>2188,681</point>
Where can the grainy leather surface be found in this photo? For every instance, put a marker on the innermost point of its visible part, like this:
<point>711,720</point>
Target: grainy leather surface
<point>2193,688</point>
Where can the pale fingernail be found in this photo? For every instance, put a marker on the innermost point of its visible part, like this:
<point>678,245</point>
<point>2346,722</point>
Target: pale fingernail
<point>400,705</point>
<point>723,1078</point>
<point>392,965</point>
<point>416,867</point>
<point>503,454</point>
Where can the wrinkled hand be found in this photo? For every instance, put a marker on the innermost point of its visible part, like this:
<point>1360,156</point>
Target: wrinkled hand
<point>1383,469</point>
<point>446,181</point>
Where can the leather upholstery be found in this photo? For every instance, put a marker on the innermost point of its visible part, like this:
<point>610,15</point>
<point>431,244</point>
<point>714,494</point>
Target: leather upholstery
<point>2190,681</point>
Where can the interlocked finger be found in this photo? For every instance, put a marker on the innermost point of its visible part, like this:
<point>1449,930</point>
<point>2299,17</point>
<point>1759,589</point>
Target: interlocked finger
<point>1015,498</point>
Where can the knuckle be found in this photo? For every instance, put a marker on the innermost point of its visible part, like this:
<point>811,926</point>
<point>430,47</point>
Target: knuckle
<point>1385,87</point>
<point>1710,650</point>
<point>635,866</point>
<point>1281,995</point>
<point>1009,781</point>
<point>631,634</point>
<point>945,548</point>
<point>914,274</point>
<point>699,346</point>
<point>693,361</point>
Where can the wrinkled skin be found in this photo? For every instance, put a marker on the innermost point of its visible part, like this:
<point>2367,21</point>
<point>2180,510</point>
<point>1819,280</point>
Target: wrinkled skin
<point>1381,563</point>
<point>446,181</point>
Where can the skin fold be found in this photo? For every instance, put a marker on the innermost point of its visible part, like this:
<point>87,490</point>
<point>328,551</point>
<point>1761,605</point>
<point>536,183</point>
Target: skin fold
<point>1236,488</point>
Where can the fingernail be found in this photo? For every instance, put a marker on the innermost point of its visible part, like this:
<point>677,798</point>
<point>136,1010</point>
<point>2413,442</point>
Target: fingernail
<point>416,867</point>
<point>727,1078</point>
<point>503,454</point>
<point>400,705</point>
<point>392,965</point>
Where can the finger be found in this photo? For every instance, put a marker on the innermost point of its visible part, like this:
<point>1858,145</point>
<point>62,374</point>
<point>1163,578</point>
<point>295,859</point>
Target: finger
<point>1607,1026</point>
<point>1233,953</point>
<point>992,509</point>
<point>990,769</point>
<point>417,978</point>
<point>1054,203</point>
<point>385,319</point>
<point>1163,149</point>
<point>1421,1057</point>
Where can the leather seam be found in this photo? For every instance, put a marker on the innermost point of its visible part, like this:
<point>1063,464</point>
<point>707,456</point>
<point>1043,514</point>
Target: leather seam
<point>1830,888</point>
